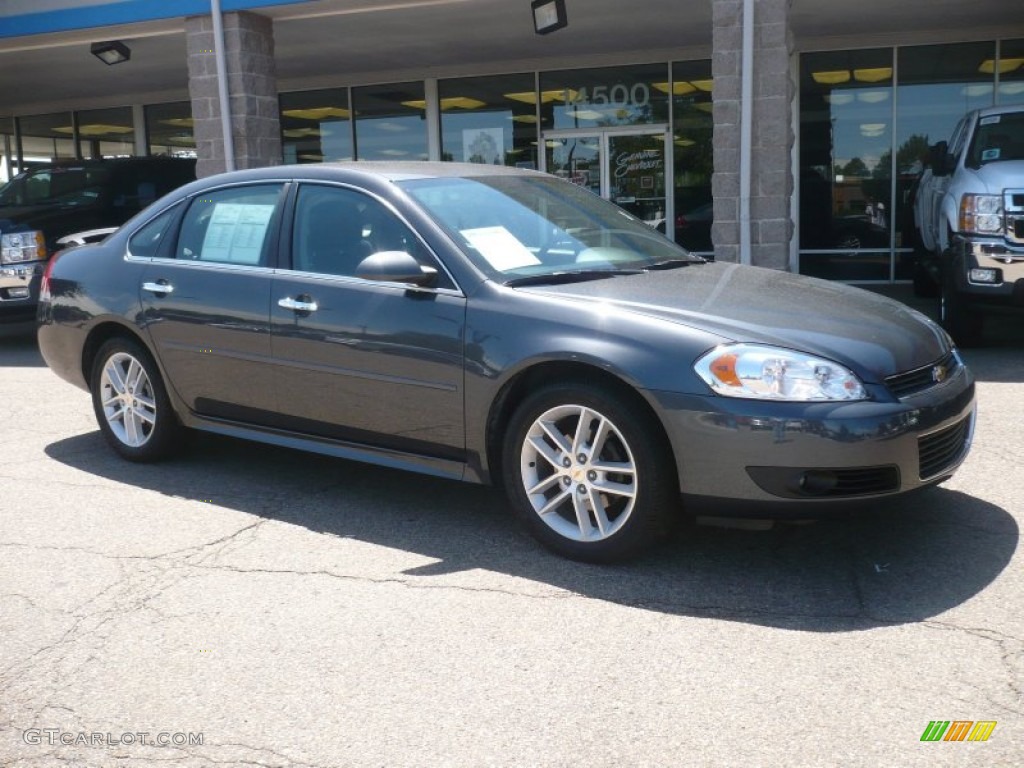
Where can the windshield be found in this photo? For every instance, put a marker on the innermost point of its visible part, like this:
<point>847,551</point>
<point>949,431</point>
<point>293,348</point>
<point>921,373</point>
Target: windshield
<point>519,226</point>
<point>52,186</point>
<point>999,137</point>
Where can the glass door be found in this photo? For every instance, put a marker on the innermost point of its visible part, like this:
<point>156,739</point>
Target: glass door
<point>628,167</point>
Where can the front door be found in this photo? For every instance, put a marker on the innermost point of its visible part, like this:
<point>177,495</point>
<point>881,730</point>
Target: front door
<point>627,166</point>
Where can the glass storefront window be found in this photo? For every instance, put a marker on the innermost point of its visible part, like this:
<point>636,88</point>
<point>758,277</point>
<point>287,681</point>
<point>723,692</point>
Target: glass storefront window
<point>8,159</point>
<point>604,98</point>
<point>846,128</point>
<point>45,138</point>
<point>1011,72</point>
<point>104,133</point>
<point>693,154</point>
<point>169,129</point>
<point>316,126</point>
<point>391,121</point>
<point>489,120</point>
<point>937,85</point>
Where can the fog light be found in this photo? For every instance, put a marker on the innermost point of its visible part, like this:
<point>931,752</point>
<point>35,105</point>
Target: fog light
<point>984,275</point>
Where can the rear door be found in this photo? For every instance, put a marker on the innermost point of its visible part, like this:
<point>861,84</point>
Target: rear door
<point>206,302</point>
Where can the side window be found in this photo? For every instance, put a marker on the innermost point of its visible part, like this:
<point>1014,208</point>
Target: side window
<point>145,243</point>
<point>956,144</point>
<point>229,226</point>
<point>336,228</point>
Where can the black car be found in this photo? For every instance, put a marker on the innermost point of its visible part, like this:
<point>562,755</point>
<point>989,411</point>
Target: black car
<point>501,326</point>
<point>67,203</point>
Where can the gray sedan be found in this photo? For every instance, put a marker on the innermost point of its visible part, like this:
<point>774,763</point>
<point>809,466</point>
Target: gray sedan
<point>501,326</point>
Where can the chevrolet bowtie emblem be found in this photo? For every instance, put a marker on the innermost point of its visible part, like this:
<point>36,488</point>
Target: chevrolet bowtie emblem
<point>939,374</point>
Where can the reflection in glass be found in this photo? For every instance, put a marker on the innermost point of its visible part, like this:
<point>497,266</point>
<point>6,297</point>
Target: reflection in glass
<point>1011,72</point>
<point>693,154</point>
<point>170,129</point>
<point>41,142</point>
<point>606,97</point>
<point>577,159</point>
<point>390,122</point>
<point>316,126</point>
<point>488,120</point>
<point>104,133</point>
<point>846,119</point>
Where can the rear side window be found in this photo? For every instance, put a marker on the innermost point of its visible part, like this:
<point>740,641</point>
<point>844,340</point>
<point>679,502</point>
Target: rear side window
<point>230,226</point>
<point>146,242</point>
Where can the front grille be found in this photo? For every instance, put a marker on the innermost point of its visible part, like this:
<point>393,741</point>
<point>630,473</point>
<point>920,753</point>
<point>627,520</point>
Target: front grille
<point>1013,206</point>
<point>941,450</point>
<point>920,379</point>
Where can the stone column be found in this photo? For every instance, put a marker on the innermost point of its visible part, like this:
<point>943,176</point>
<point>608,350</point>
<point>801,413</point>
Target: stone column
<point>771,189</point>
<point>252,92</point>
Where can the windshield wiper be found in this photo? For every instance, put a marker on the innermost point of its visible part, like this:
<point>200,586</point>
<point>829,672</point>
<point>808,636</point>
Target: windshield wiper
<point>569,276</point>
<point>673,263</point>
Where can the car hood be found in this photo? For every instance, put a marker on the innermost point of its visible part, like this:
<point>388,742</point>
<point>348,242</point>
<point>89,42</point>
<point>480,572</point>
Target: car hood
<point>872,335</point>
<point>993,178</point>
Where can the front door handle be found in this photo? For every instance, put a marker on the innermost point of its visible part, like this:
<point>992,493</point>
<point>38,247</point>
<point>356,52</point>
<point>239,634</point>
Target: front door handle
<point>160,286</point>
<point>297,306</point>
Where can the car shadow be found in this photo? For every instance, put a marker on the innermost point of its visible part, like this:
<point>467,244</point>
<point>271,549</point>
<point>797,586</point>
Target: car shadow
<point>897,563</point>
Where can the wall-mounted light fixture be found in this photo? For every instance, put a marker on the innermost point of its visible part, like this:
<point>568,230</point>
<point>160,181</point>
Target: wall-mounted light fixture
<point>548,15</point>
<point>111,52</point>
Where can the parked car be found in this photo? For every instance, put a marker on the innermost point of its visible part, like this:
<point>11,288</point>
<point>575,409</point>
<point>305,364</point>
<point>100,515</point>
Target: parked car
<point>969,213</point>
<point>69,203</point>
<point>498,325</point>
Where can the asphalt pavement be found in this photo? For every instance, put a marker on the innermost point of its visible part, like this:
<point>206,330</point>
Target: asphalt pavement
<point>252,606</point>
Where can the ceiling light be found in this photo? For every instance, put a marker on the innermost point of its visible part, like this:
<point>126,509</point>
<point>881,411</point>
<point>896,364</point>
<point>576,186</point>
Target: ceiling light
<point>548,15</point>
<point>452,102</point>
<point>872,130</point>
<point>96,129</point>
<point>872,97</point>
<point>584,114</point>
<point>318,113</point>
<point>976,91</point>
<point>704,85</point>
<point>875,75</point>
<point>546,97</point>
<point>832,77</point>
<point>524,118</point>
<point>679,88</point>
<point>112,52</point>
<point>1011,89</point>
<point>988,66</point>
<point>837,99</point>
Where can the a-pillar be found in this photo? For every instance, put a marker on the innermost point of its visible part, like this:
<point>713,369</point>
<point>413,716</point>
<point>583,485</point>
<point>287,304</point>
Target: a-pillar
<point>252,92</point>
<point>771,176</point>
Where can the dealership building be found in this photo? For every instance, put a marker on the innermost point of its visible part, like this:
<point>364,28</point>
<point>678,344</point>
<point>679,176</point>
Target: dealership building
<point>782,133</point>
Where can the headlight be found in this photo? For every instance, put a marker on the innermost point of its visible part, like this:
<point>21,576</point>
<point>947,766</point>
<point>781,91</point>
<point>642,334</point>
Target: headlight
<point>769,373</point>
<point>18,247</point>
<point>981,214</point>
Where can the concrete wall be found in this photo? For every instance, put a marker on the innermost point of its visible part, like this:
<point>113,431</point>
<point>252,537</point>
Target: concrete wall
<point>252,89</point>
<point>771,228</point>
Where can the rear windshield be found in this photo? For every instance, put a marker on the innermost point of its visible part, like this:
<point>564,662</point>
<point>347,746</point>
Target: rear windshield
<point>998,138</point>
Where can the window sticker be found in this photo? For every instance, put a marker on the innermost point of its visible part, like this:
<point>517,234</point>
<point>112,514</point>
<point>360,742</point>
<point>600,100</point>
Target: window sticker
<point>500,247</point>
<point>990,154</point>
<point>236,233</point>
<point>991,120</point>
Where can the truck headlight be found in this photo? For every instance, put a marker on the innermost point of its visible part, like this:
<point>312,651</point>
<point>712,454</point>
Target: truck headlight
<point>761,372</point>
<point>19,247</point>
<point>981,214</point>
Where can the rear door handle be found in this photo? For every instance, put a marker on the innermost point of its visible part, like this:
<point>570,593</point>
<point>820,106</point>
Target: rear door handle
<point>160,286</point>
<point>297,306</point>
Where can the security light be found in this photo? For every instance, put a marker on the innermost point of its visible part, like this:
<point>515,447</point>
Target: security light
<point>112,52</point>
<point>548,15</point>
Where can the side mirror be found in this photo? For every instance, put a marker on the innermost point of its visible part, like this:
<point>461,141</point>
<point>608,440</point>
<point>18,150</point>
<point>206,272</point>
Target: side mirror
<point>395,267</point>
<point>938,158</point>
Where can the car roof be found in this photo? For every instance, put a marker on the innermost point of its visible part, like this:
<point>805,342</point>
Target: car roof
<point>385,170</point>
<point>1000,110</point>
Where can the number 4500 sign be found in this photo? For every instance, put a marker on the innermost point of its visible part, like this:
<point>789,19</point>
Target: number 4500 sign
<point>619,96</point>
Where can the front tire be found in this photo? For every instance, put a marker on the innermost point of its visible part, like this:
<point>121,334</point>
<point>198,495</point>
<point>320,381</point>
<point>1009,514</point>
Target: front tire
<point>589,473</point>
<point>131,403</point>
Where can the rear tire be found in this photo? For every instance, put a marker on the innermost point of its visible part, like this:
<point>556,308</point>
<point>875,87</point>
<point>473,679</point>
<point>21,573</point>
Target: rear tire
<point>589,473</point>
<point>131,403</point>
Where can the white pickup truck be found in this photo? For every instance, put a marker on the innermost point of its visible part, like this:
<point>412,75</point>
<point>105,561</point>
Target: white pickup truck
<point>969,212</point>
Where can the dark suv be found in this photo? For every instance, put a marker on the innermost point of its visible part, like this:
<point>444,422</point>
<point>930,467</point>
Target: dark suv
<point>68,203</point>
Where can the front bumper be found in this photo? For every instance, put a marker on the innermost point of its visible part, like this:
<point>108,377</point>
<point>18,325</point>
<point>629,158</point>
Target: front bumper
<point>812,454</point>
<point>991,253</point>
<point>19,289</point>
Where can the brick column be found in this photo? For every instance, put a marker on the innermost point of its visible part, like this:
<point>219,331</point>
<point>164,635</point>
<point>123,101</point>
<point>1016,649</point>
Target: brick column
<point>772,137</point>
<point>252,91</point>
